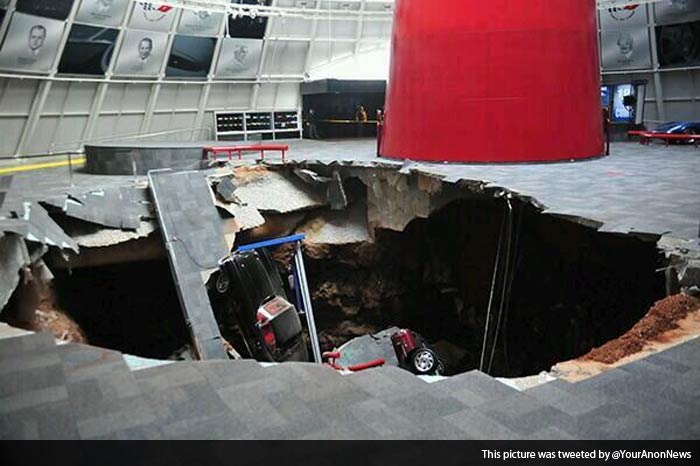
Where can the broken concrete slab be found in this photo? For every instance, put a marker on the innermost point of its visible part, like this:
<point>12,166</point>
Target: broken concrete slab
<point>42,228</point>
<point>338,227</point>
<point>114,207</point>
<point>194,240</point>
<point>336,192</point>
<point>394,200</point>
<point>226,189</point>
<point>13,257</point>
<point>97,237</point>
<point>272,191</point>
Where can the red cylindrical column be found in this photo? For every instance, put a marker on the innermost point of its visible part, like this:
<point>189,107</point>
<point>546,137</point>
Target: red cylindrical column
<point>494,81</point>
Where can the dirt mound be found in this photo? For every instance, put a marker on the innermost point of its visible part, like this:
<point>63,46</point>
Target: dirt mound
<point>664,316</point>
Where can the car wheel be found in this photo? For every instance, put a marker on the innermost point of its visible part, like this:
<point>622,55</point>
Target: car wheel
<point>424,361</point>
<point>222,283</point>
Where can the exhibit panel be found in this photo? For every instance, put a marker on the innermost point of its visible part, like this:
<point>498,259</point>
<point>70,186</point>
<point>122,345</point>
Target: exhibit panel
<point>31,43</point>
<point>152,16</point>
<point>200,23</point>
<point>142,53</point>
<point>102,12</point>
<point>626,49</point>
<point>239,58</point>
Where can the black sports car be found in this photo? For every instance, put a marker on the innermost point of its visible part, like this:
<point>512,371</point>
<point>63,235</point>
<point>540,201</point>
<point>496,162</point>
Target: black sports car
<point>252,309</point>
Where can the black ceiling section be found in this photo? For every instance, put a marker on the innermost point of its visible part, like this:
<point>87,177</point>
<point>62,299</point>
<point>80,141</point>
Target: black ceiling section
<point>245,26</point>
<point>56,9</point>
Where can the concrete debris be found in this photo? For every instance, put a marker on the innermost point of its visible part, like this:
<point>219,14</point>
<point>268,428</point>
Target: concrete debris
<point>14,225</point>
<point>336,193</point>
<point>96,237</point>
<point>338,227</point>
<point>223,194</point>
<point>310,177</point>
<point>34,285</point>
<point>394,200</point>
<point>226,189</point>
<point>122,207</point>
<point>14,256</point>
<point>42,228</point>
<point>689,274</point>
<point>246,217</point>
<point>272,191</point>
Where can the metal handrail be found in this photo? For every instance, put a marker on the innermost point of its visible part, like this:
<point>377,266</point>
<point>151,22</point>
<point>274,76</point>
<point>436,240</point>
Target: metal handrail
<point>130,136</point>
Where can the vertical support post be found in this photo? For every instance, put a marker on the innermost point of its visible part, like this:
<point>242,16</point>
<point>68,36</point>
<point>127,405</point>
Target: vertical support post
<point>70,169</point>
<point>306,298</point>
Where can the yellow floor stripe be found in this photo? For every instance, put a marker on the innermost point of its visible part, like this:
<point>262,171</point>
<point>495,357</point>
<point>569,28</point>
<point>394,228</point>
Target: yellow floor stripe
<point>40,166</point>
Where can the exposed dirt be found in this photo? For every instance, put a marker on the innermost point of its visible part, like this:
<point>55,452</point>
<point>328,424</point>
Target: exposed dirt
<point>47,317</point>
<point>664,316</point>
<point>245,175</point>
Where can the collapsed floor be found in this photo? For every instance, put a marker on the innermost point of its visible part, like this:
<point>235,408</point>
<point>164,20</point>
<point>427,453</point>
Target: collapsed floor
<point>484,276</point>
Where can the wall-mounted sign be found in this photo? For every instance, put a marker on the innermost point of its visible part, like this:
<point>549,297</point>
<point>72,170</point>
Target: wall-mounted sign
<point>626,49</point>
<point>239,58</point>
<point>678,44</point>
<point>102,12</point>
<point>31,43</point>
<point>200,23</point>
<point>676,11</point>
<point>621,17</point>
<point>152,16</point>
<point>190,57</point>
<point>621,112</point>
<point>56,9</point>
<point>142,53</point>
<point>88,50</point>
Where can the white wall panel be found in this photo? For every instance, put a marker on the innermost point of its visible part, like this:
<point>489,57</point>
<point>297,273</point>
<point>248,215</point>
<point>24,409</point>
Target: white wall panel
<point>285,58</point>
<point>121,107</point>
<point>229,96</point>
<point>288,96</point>
<point>11,130</point>
<point>266,96</point>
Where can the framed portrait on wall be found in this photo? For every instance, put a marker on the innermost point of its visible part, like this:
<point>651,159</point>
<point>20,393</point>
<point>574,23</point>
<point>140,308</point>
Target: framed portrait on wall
<point>142,53</point>
<point>102,12</point>
<point>200,23</point>
<point>31,43</point>
<point>239,58</point>
<point>626,49</point>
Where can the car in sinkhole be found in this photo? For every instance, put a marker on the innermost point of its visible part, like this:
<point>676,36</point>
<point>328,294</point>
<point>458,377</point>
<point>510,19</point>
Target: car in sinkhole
<point>251,306</point>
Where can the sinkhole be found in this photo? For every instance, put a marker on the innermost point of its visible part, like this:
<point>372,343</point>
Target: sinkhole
<point>489,280</point>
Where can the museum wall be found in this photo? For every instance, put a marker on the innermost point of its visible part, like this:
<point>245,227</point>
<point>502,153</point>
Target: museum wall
<point>84,70</point>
